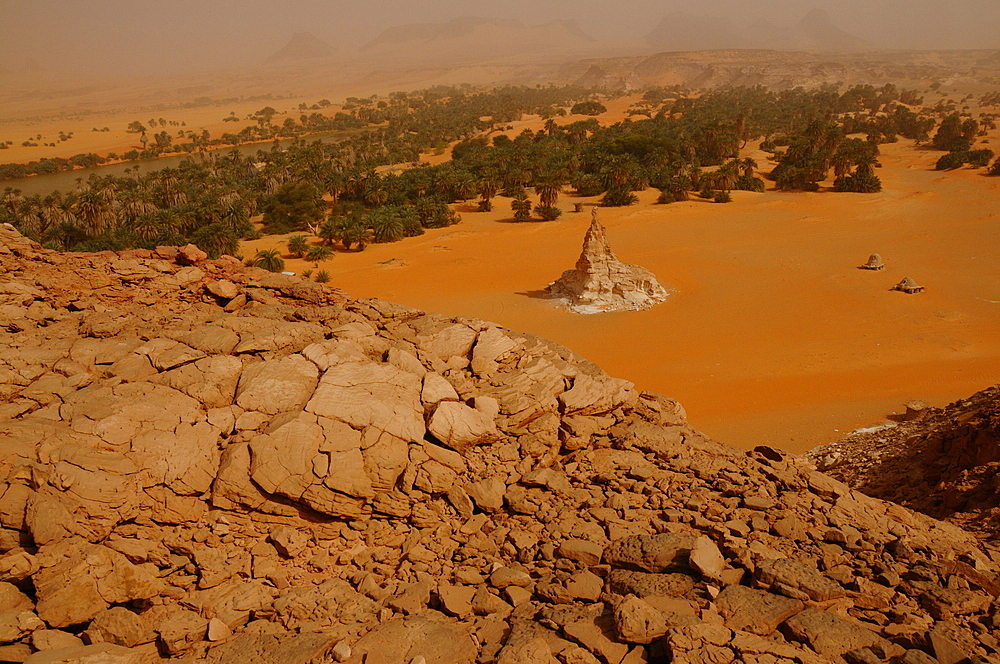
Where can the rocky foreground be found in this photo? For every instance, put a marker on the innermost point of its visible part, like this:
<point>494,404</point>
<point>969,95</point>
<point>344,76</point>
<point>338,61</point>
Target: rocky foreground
<point>209,463</point>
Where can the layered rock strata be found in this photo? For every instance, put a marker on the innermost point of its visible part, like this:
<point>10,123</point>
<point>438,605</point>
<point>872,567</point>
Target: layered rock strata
<point>601,282</point>
<point>209,463</point>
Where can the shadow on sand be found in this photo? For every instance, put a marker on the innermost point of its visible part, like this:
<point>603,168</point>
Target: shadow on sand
<point>540,294</point>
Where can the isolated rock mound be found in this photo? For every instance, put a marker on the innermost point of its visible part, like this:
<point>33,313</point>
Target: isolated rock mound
<point>217,464</point>
<point>601,282</point>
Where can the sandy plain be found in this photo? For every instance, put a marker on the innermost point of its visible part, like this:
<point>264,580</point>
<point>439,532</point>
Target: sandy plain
<point>772,334</point>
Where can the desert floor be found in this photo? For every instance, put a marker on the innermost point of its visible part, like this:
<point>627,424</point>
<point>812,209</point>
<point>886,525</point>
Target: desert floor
<point>772,335</point>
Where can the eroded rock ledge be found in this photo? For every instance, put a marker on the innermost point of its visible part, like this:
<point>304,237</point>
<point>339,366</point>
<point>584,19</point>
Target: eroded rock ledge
<point>204,462</point>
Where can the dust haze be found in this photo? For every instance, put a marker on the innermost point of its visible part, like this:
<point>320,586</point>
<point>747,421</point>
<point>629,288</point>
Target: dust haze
<point>142,37</point>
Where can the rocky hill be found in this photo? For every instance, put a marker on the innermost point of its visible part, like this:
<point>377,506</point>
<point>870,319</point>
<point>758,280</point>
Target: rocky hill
<point>944,462</point>
<point>302,46</point>
<point>203,462</point>
<point>681,31</point>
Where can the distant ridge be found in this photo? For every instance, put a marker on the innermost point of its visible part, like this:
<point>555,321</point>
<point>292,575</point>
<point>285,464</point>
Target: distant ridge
<point>302,46</point>
<point>681,31</point>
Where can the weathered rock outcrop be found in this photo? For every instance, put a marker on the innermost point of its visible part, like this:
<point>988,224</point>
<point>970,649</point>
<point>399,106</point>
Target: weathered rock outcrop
<point>275,473</point>
<point>601,282</point>
<point>944,462</point>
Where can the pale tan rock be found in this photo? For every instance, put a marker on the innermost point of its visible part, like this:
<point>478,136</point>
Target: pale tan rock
<point>707,559</point>
<point>533,651</point>
<point>598,635</point>
<point>436,389</point>
<point>289,541</point>
<point>12,599</point>
<point>223,288</point>
<point>212,380</point>
<point>218,630</point>
<point>116,625</point>
<point>89,579</point>
<point>460,427</point>
<point>375,395</point>
<point>15,625</point>
<point>503,577</point>
<point>582,551</point>
<point>829,635</point>
<point>278,385</point>
<point>444,339</point>
<point>650,553</point>
<point>181,630</point>
<point>212,339</point>
<point>456,600</point>
<point>54,639</point>
<point>488,494</point>
<point>190,254</point>
<point>755,611</point>
<point>638,622</point>
<point>98,653</point>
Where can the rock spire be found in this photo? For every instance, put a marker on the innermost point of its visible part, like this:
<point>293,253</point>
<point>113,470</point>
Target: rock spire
<point>601,282</point>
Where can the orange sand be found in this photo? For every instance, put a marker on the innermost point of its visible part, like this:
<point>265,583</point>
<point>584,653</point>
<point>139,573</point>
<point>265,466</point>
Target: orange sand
<point>773,336</point>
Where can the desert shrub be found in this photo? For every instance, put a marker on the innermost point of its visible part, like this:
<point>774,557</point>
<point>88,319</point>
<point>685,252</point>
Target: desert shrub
<point>861,183</point>
<point>722,197</point>
<point>322,277</point>
<point>588,108</point>
<point>980,158</point>
<point>485,206</point>
<point>995,168</point>
<point>749,183</point>
<point>707,193</point>
<point>951,161</point>
<point>306,273</point>
<point>619,197</point>
<point>548,212</point>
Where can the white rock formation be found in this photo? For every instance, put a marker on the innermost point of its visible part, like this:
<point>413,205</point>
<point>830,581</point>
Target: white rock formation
<point>601,282</point>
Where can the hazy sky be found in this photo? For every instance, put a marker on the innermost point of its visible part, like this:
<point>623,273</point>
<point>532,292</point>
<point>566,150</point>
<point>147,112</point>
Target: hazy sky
<point>135,36</point>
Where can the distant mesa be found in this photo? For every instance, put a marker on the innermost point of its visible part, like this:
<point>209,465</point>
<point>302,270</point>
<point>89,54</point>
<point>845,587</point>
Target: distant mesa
<point>302,46</point>
<point>600,282</point>
<point>681,31</point>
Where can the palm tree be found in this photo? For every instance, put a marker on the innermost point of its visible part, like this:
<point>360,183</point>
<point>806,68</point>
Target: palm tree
<point>317,254</point>
<point>521,207</point>
<point>748,165</point>
<point>298,245</point>
<point>725,178</point>
<point>270,260</point>
<point>548,186</point>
